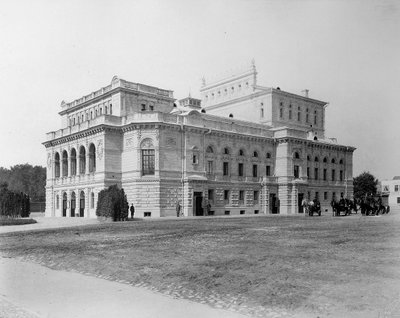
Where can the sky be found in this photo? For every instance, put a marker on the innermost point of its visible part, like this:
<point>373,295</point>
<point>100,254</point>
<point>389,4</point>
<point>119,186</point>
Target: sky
<point>346,53</point>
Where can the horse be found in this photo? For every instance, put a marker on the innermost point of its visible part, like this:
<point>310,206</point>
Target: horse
<point>339,207</point>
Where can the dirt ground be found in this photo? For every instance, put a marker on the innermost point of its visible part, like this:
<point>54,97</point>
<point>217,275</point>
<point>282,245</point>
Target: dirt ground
<point>267,266</point>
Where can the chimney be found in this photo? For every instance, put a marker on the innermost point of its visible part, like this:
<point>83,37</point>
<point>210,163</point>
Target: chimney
<point>305,91</point>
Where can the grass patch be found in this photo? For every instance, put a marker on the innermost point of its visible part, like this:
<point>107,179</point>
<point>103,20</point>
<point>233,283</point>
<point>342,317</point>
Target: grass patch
<point>253,265</point>
<point>5,222</point>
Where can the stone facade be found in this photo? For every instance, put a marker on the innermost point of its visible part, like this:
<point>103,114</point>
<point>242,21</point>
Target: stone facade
<point>257,150</point>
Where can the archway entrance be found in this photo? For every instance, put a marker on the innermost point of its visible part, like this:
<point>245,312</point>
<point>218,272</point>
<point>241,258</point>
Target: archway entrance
<point>198,200</point>
<point>73,204</point>
<point>64,205</point>
<point>82,204</point>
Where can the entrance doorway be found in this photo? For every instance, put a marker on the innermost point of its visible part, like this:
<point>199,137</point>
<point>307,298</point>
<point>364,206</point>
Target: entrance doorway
<point>198,200</point>
<point>82,204</point>
<point>273,204</point>
<point>73,204</point>
<point>64,205</point>
<point>300,198</point>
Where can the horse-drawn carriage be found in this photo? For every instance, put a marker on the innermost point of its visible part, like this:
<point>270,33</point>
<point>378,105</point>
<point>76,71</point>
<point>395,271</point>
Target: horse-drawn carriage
<point>344,206</point>
<point>372,205</point>
<point>312,207</point>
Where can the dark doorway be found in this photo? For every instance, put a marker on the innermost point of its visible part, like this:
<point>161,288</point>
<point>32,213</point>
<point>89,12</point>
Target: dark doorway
<point>300,198</point>
<point>273,204</point>
<point>198,200</point>
<point>82,204</point>
<point>73,204</point>
<point>64,205</point>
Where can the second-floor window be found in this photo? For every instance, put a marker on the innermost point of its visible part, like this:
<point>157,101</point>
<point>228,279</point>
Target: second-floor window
<point>296,171</point>
<point>210,167</point>
<point>268,171</point>
<point>240,169</point>
<point>225,168</point>
<point>255,172</point>
<point>148,161</point>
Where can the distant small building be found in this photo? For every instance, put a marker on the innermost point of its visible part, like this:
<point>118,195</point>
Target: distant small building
<point>391,190</point>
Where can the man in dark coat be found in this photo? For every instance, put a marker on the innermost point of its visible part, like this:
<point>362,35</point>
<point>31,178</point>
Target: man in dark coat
<point>132,209</point>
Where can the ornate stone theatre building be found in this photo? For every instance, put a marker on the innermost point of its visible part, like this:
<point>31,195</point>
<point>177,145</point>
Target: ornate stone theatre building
<point>242,148</point>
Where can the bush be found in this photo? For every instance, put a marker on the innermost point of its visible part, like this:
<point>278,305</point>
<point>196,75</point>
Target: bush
<point>13,204</point>
<point>112,204</point>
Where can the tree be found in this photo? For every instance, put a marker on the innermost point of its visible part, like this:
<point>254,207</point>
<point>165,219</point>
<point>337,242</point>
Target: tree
<point>364,184</point>
<point>27,179</point>
<point>113,203</point>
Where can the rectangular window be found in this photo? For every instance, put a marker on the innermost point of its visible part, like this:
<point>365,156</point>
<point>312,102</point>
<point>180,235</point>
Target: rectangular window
<point>226,196</point>
<point>308,172</point>
<point>290,114</point>
<point>256,195</point>
<point>333,174</point>
<point>398,200</point>
<point>396,188</point>
<point>242,211</point>
<point>298,116</point>
<point>255,172</point>
<point>281,113</point>
<point>210,168</point>
<point>325,173</point>
<point>240,169</point>
<point>316,173</point>
<point>296,172</point>
<point>325,196</point>
<point>195,159</point>
<point>241,196</point>
<point>148,161</point>
<point>147,214</point>
<point>262,112</point>
<point>211,195</point>
<point>341,175</point>
<point>268,171</point>
<point>256,211</point>
<point>226,168</point>
<point>333,196</point>
<point>227,212</point>
<point>317,195</point>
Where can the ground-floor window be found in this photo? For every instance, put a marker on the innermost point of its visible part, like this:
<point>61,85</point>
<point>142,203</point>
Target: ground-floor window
<point>241,196</point>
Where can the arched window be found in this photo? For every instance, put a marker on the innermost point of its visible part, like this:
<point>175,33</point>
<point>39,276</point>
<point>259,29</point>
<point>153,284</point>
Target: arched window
<point>82,160</point>
<point>105,110</point>
<point>341,161</point>
<point>325,160</point>
<point>209,149</point>
<point>91,114</point>
<point>230,115</point>
<point>57,165</point>
<point>315,117</point>
<point>73,161</point>
<point>307,115</point>
<point>92,158</point>
<point>65,164</point>
<point>57,201</point>
<point>281,113</point>
<point>290,111</point>
<point>226,151</point>
<point>268,155</point>
<point>101,111</point>
<point>296,155</point>
<point>148,157</point>
<point>241,152</point>
<point>316,159</point>
<point>255,154</point>
<point>333,160</point>
<point>110,109</point>
<point>308,158</point>
<point>298,114</point>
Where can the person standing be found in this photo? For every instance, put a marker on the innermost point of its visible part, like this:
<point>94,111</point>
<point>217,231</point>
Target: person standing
<point>132,209</point>
<point>178,209</point>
